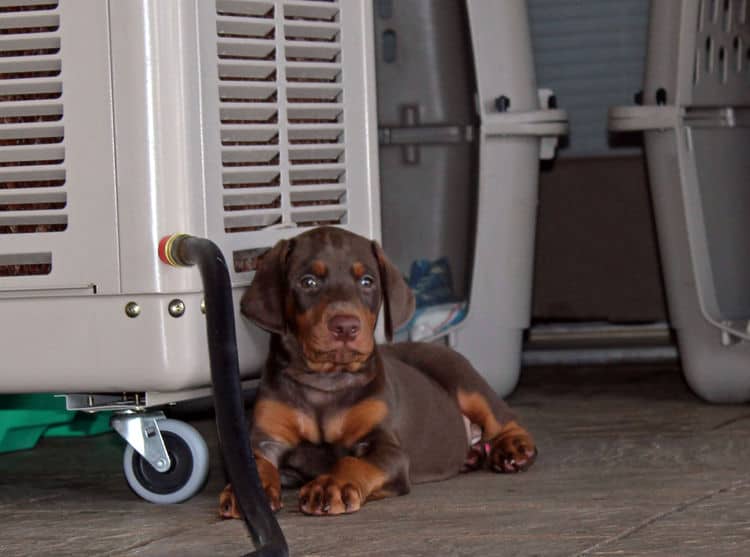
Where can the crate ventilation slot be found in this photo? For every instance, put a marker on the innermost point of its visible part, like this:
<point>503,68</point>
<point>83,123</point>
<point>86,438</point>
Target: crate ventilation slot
<point>721,65</point>
<point>281,112</point>
<point>33,197</point>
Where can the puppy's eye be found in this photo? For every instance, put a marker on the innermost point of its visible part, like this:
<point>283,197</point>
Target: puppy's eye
<point>309,282</point>
<point>367,281</point>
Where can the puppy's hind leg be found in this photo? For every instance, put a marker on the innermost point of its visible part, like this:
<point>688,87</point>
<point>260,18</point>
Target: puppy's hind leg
<point>511,447</point>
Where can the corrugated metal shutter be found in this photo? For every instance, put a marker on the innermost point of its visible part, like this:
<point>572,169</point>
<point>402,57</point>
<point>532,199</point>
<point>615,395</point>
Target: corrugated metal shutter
<point>591,53</point>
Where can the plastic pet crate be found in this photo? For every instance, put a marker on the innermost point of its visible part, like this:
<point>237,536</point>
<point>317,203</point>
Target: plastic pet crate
<point>696,119</point>
<point>463,127</point>
<point>426,121</point>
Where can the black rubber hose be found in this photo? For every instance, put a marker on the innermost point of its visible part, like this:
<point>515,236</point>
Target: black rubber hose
<point>231,423</point>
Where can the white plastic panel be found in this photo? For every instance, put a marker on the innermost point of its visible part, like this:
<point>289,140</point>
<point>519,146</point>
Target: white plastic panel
<point>714,363</point>
<point>99,349</point>
<point>57,196</point>
<point>503,57</point>
<point>499,306</point>
<point>157,116</point>
<point>722,201</point>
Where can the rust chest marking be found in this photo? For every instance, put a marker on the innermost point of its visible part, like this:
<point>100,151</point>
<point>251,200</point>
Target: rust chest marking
<point>352,424</point>
<point>284,423</point>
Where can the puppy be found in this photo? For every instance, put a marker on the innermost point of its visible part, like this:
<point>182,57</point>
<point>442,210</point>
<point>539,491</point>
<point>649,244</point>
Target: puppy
<point>350,420</point>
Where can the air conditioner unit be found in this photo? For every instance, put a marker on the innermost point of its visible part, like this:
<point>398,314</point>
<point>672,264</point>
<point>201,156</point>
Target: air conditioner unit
<point>243,121</point>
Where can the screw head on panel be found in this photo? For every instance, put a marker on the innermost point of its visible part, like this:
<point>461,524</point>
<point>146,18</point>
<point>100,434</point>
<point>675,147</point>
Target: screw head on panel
<point>176,307</point>
<point>203,306</point>
<point>661,96</point>
<point>502,103</point>
<point>132,309</point>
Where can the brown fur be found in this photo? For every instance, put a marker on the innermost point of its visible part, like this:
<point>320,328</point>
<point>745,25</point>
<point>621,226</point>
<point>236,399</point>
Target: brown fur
<point>284,423</point>
<point>354,420</point>
<point>475,407</point>
<point>270,480</point>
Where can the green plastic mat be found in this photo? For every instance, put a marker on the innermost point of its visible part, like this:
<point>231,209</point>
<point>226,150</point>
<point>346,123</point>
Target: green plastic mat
<point>24,419</point>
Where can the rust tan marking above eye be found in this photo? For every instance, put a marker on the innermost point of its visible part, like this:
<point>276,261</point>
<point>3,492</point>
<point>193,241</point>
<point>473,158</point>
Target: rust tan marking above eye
<point>475,407</point>
<point>284,423</point>
<point>351,425</point>
<point>358,270</point>
<point>319,268</point>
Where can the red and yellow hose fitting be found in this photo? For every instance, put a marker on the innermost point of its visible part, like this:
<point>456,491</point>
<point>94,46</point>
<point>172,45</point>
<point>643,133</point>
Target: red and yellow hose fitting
<point>168,251</point>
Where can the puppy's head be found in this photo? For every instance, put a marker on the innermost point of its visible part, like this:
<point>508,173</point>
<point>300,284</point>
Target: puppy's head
<point>325,288</point>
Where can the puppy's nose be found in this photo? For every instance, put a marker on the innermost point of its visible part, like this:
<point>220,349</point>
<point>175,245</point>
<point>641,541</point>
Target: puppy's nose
<point>344,327</point>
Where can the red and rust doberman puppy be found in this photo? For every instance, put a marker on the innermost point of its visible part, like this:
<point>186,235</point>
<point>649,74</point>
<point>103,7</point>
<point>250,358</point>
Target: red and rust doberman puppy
<point>354,420</point>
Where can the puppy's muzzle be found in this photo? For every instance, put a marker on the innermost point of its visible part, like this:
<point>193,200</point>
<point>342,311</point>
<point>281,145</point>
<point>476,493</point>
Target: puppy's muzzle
<point>344,328</point>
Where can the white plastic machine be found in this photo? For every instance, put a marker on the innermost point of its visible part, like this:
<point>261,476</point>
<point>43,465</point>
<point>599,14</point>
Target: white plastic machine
<point>222,119</point>
<point>242,121</point>
<point>121,122</point>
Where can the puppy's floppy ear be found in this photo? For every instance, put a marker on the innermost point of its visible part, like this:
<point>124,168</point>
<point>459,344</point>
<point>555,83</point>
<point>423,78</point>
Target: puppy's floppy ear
<point>398,298</point>
<point>263,301</point>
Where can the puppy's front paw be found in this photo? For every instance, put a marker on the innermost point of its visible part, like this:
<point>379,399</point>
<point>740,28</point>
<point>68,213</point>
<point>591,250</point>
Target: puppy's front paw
<point>513,450</point>
<point>273,494</point>
<point>228,507</point>
<point>326,495</point>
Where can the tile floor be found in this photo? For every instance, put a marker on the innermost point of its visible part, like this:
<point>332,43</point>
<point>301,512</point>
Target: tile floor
<point>630,463</point>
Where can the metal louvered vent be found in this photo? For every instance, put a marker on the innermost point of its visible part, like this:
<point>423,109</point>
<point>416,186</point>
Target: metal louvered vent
<point>32,174</point>
<point>281,113</point>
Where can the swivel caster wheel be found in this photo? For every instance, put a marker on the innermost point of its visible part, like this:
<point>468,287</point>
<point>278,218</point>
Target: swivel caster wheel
<point>186,474</point>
